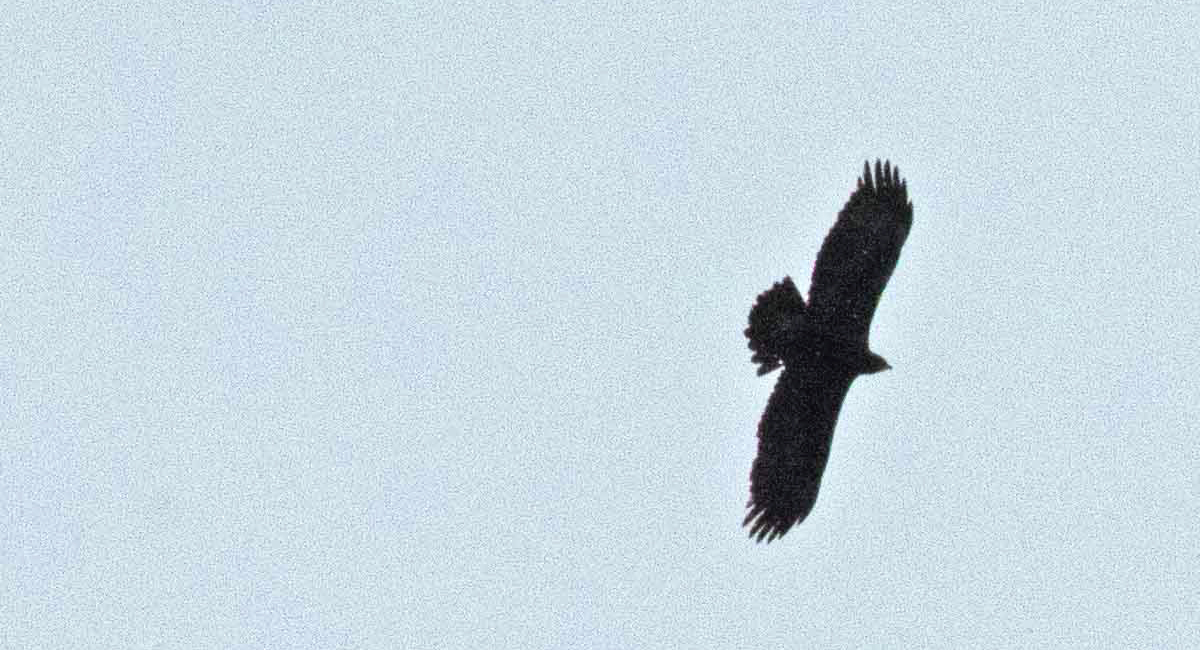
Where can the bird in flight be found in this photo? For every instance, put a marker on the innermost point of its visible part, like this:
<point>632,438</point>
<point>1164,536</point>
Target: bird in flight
<point>822,347</point>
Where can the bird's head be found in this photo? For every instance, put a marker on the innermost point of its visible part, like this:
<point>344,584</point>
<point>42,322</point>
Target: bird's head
<point>873,363</point>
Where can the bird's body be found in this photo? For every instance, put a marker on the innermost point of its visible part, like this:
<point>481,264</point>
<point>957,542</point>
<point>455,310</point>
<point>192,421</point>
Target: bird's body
<point>822,347</point>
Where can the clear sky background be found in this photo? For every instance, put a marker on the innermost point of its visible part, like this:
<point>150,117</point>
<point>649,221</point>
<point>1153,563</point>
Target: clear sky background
<point>396,326</point>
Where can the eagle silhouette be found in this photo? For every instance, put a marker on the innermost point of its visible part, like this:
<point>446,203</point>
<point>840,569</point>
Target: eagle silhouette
<point>822,347</point>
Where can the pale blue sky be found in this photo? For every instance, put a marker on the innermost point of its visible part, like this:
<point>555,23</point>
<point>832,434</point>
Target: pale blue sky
<point>390,326</point>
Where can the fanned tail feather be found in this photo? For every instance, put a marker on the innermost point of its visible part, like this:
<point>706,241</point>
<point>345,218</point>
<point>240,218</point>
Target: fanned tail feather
<point>775,322</point>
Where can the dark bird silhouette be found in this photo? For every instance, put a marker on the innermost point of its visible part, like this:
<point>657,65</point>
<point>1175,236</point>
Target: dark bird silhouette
<point>822,347</point>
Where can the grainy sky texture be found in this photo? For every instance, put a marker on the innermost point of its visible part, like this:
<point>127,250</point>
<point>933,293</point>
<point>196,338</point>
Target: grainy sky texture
<point>386,325</point>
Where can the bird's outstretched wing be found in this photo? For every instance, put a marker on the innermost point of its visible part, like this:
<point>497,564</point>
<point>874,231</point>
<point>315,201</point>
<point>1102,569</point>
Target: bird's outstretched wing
<point>794,436</point>
<point>860,253</point>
